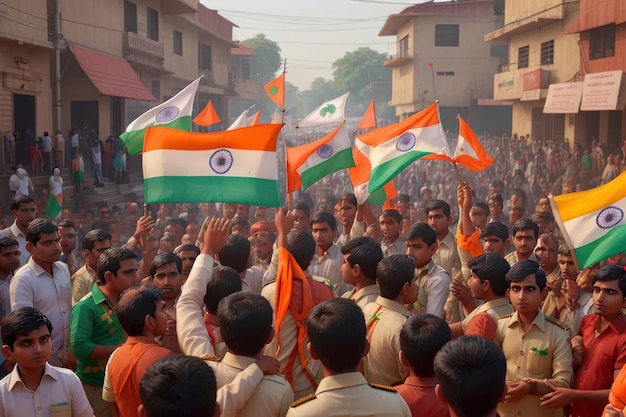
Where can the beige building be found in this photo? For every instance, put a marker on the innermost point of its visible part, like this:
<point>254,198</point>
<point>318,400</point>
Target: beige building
<point>441,55</point>
<point>540,54</point>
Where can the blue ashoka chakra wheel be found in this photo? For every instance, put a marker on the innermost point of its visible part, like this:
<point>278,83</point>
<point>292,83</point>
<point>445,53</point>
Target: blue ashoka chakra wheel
<point>609,217</point>
<point>167,114</point>
<point>405,142</point>
<point>221,161</point>
<point>325,151</point>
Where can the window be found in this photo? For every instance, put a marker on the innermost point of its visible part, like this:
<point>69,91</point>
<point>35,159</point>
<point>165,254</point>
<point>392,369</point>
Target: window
<point>130,17</point>
<point>522,57</point>
<point>602,42</point>
<point>446,35</point>
<point>499,51</point>
<point>204,56</point>
<point>178,43</point>
<point>153,24</point>
<point>403,47</point>
<point>547,53</point>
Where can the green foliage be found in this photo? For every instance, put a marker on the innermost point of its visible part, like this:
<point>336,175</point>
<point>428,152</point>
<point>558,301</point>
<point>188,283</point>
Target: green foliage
<point>361,70</point>
<point>267,61</point>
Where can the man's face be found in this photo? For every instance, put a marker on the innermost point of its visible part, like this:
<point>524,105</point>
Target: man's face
<point>31,351</point>
<point>347,271</point>
<point>243,210</point>
<point>47,250</point>
<point>9,259</point>
<point>323,235</point>
<point>495,208</point>
<point>105,214</point>
<point>526,296</point>
<point>608,299</point>
<point>68,239</point>
<point>92,255</point>
<point>262,245</point>
<point>300,220</point>
<point>188,257</point>
<point>229,210</point>
<point>239,229</point>
<point>544,205</point>
<point>439,222</point>
<point>525,242</point>
<point>168,280</point>
<point>403,207</point>
<point>567,266</point>
<point>494,244</point>
<point>126,276</point>
<point>25,214</point>
<point>546,254</point>
<point>476,287</point>
<point>478,217</point>
<point>420,251</point>
<point>346,213</point>
<point>389,227</point>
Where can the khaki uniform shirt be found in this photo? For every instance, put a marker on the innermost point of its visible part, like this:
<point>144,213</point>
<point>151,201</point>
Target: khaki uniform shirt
<point>397,247</point>
<point>82,282</point>
<point>554,281</point>
<point>433,291</point>
<point>349,395</point>
<point>512,258</point>
<point>327,266</point>
<point>382,363</point>
<point>447,255</point>
<point>543,351</point>
<point>364,296</point>
<point>495,308</point>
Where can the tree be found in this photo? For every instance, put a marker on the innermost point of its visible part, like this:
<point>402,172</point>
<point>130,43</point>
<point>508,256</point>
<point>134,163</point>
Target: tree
<point>362,70</point>
<point>267,60</point>
<point>319,91</point>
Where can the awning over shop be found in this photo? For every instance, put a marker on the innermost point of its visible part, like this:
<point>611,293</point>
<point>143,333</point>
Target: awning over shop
<point>112,76</point>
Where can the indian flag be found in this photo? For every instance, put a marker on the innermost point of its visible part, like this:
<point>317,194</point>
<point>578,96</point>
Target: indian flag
<point>593,222</point>
<point>174,113</point>
<point>189,167</point>
<point>392,148</point>
<point>55,205</point>
<point>309,162</point>
<point>331,111</point>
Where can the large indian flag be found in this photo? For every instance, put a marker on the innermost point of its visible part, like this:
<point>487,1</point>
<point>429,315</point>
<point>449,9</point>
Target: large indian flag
<point>593,221</point>
<point>174,113</point>
<point>189,167</point>
<point>312,161</point>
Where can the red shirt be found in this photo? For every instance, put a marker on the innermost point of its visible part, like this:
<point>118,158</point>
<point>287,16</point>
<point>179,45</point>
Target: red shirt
<point>604,354</point>
<point>419,393</point>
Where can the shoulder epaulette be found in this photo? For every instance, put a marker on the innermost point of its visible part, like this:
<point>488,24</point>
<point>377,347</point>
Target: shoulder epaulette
<point>506,316</point>
<point>211,358</point>
<point>383,387</point>
<point>303,400</point>
<point>557,322</point>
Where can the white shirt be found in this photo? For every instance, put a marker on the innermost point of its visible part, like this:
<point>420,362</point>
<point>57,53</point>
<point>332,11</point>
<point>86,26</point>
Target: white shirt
<point>15,232</point>
<point>327,266</point>
<point>433,290</point>
<point>31,286</point>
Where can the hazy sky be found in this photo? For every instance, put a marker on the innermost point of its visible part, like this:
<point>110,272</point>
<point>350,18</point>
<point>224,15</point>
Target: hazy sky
<point>312,34</point>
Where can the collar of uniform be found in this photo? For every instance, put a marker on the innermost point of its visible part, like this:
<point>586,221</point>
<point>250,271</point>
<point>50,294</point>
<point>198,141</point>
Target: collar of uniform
<point>391,305</point>
<point>133,340</point>
<point>332,250</point>
<point>365,291</point>
<point>238,361</point>
<point>448,241</point>
<point>339,381</point>
<point>617,325</point>
<point>48,371</point>
<point>15,231</point>
<point>38,270</point>
<point>428,268</point>
<point>539,321</point>
<point>97,295</point>
<point>386,242</point>
<point>495,303</point>
<point>421,381</point>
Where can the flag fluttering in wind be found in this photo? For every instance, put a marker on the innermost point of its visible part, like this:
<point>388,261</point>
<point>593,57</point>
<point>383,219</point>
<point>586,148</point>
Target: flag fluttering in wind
<point>593,221</point>
<point>390,149</point>
<point>331,111</point>
<point>275,90</point>
<point>174,113</point>
<point>469,152</point>
<point>189,167</point>
<point>391,196</point>
<point>207,117</point>
<point>254,119</point>
<point>369,118</point>
<point>241,121</point>
<point>309,162</point>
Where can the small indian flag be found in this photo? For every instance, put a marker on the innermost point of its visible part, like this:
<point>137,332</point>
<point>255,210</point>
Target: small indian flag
<point>189,167</point>
<point>55,205</point>
<point>593,221</point>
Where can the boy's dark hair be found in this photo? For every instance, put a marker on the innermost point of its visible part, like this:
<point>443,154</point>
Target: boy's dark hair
<point>404,198</point>
<point>110,259</point>
<point>421,337</point>
<point>132,313</point>
<point>163,259</point>
<point>394,214</point>
<point>393,272</point>
<point>18,200</point>
<point>224,282</point>
<point>496,229</point>
<point>66,223</point>
<point>235,252</point>
<point>323,217</point>
<point>496,197</point>
<point>525,224</point>
<point>471,371</point>
<point>366,252</point>
<point>439,204</point>
<point>93,236</point>
<point>493,268</point>
<point>240,221</point>
<point>350,198</point>
<point>612,273</point>
<point>522,269</point>
<point>483,206</point>
<point>545,216</point>
<point>521,194</point>
<point>37,227</point>
<point>564,250</point>
<point>178,386</point>
<point>21,322</point>
<point>187,247</point>
<point>336,330</point>
<point>302,206</point>
<point>245,321</point>
<point>421,230</point>
<point>7,242</point>
<point>301,245</point>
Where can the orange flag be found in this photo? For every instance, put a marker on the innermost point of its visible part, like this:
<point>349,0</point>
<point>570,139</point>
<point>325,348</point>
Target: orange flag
<point>469,152</point>
<point>207,117</point>
<point>369,118</point>
<point>275,90</point>
<point>391,196</point>
<point>255,118</point>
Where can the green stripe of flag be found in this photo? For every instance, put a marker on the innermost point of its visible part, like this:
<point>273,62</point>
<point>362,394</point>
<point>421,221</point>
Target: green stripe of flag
<point>610,244</point>
<point>340,160</point>
<point>383,173</point>
<point>133,140</point>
